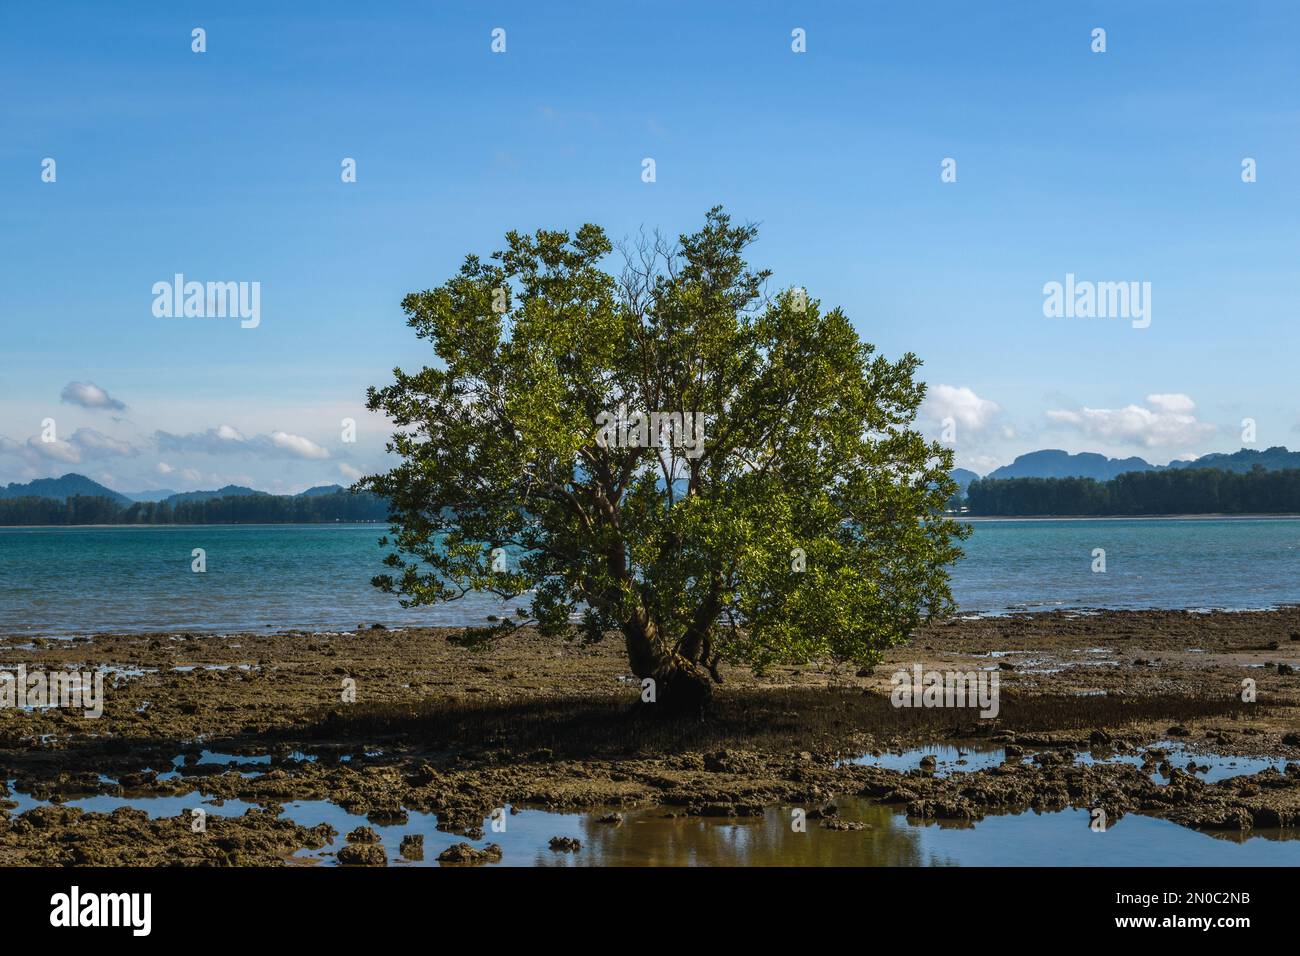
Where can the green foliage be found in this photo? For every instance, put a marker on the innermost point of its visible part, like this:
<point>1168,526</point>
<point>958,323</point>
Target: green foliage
<point>1174,491</point>
<point>807,446</point>
<point>233,509</point>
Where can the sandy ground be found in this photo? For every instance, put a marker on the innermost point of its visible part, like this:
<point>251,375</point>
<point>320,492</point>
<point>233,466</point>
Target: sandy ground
<point>530,721</point>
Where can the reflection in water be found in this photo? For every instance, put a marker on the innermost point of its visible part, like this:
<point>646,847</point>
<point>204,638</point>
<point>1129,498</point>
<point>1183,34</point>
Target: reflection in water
<point>647,839</point>
<point>651,838</point>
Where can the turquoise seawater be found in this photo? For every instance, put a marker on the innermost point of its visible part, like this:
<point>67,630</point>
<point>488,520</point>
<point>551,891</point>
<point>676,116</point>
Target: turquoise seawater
<point>79,580</point>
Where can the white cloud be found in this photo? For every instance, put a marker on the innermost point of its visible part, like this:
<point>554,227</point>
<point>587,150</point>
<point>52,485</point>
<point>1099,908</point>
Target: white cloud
<point>1167,419</point>
<point>226,439</point>
<point>95,444</point>
<point>298,446</point>
<point>981,464</point>
<point>1174,403</point>
<point>962,405</point>
<point>55,450</point>
<point>163,468</point>
<point>89,395</point>
<point>347,471</point>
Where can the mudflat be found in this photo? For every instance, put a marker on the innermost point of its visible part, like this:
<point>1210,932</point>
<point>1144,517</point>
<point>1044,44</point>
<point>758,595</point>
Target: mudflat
<point>1107,709</point>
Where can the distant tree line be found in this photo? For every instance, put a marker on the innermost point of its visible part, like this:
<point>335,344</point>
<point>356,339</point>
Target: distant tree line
<point>239,509</point>
<point>1175,491</point>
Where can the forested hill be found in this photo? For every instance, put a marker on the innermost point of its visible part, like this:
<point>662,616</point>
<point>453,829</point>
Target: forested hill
<point>259,508</point>
<point>62,488</point>
<point>1167,492</point>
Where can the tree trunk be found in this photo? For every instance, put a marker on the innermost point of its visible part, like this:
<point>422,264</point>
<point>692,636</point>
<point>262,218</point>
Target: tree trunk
<point>681,685</point>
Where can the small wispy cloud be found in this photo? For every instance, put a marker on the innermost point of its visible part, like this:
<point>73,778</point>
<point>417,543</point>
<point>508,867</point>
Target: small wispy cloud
<point>59,450</point>
<point>95,444</point>
<point>90,395</point>
<point>297,446</point>
<point>228,440</point>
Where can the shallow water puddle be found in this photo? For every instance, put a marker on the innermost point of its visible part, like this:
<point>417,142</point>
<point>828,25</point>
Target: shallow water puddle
<point>648,838</point>
<point>1210,768</point>
<point>966,758</point>
<point>155,806</point>
<point>210,758</point>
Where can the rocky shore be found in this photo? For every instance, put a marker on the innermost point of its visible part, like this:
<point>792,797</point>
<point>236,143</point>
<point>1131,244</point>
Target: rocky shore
<point>1109,710</point>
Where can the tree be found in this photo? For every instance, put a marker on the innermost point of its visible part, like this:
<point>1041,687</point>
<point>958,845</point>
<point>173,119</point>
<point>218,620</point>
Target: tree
<point>806,521</point>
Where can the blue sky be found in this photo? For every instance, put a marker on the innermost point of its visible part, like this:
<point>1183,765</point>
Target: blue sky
<point>225,166</point>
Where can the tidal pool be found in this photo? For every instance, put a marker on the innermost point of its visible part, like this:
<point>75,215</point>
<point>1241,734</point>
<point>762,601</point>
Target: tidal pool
<point>1210,768</point>
<point>648,838</point>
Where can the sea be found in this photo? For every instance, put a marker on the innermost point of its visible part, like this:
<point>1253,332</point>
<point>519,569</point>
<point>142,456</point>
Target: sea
<point>78,580</point>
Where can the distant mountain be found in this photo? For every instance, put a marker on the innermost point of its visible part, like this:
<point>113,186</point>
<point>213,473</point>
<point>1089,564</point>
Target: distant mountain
<point>1054,463</point>
<point>1276,458</point>
<point>963,477</point>
<point>62,488</point>
<point>229,491</point>
<point>158,495</point>
<point>321,490</point>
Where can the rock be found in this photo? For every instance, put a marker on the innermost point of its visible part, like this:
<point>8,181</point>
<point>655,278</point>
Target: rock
<point>387,816</point>
<point>362,854</point>
<point>613,818</point>
<point>413,846</point>
<point>929,762</point>
<point>363,835</point>
<point>1285,669</point>
<point>475,833</point>
<point>733,761</point>
<point>464,853</point>
<point>1178,731</point>
<point>423,775</point>
<point>729,810</point>
<point>898,795</point>
<point>1006,666</point>
<point>562,844</point>
<point>1291,740</point>
<point>958,808</point>
<point>1229,817</point>
<point>864,672</point>
<point>843,825</point>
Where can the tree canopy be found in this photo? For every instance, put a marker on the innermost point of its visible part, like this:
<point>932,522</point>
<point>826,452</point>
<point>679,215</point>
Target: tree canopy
<point>780,507</point>
<point>226,509</point>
